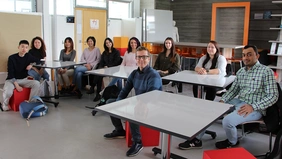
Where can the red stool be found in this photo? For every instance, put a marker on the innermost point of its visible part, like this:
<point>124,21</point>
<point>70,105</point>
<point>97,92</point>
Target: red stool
<point>18,97</point>
<point>231,153</point>
<point>150,137</point>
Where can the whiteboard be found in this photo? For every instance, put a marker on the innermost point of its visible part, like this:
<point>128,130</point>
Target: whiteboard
<point>158,25</point>
<point>114,28</point>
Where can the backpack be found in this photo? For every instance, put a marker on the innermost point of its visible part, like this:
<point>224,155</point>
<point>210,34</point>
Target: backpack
<point>109,92</point>
<point>34,108</point>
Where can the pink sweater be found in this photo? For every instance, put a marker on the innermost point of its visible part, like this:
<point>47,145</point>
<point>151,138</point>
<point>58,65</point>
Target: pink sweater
<point>129,59</point>
<point>91,57</point>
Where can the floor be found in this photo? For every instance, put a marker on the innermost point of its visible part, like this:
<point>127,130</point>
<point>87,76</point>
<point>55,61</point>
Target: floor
<point>71,132</point>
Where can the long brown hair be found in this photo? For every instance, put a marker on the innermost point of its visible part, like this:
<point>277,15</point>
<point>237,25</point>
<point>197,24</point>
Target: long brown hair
<point>172,53</point>
<point>42,49</point>
<point>214,60</point>
<point>71,42</point>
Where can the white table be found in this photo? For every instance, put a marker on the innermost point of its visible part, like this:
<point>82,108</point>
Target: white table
<point>171,114</point>
<point>192,77</point>
<point>117,71</point>
<point>55,65</point>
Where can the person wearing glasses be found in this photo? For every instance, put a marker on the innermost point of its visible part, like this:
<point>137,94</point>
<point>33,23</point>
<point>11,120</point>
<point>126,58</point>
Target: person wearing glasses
<point>91,56</point>
<point>168,61</point>
<point>210,64</point>
<point>143,79</point>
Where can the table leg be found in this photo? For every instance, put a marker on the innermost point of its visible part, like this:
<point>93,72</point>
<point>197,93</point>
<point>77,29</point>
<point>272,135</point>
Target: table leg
<point>165,145</point>
<point>55,85</point>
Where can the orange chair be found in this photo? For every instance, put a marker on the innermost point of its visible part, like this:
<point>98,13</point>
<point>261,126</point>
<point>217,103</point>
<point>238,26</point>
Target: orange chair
<point>18,97</point>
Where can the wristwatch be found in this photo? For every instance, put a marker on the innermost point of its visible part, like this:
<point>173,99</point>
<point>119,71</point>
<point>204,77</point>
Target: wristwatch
<point>207,70</point>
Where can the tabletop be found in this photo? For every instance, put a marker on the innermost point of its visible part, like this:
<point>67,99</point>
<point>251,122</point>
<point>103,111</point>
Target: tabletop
<point>59,64</point>
<point>117,71</point>
<point>192,77</point>
<point>173,114</point>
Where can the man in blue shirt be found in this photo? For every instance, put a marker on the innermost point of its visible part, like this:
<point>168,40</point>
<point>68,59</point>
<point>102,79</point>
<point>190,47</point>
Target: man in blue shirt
<point>143,79</point>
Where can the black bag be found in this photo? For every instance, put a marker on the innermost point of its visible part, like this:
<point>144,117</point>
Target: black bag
<point>109,92</point>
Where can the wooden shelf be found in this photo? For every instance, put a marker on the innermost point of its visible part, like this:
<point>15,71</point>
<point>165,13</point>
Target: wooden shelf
<point>275,67</point>
<point>274,55</point>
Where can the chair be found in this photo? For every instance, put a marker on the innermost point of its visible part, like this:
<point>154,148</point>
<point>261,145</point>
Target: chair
<point>273,124</point>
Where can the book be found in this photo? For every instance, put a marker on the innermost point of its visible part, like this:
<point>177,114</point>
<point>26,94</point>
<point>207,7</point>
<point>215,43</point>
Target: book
<point>273,48</point>
<point>279,49</point>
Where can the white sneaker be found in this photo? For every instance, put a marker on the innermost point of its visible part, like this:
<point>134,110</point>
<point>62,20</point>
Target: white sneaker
<point>101,93</point>
<point>5,108</point>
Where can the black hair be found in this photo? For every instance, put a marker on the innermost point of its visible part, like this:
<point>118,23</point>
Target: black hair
<point>23,42</point>
<point>214,60</point>
<point>92,38</point>
<point>252,46</point>
<point>71,41</point>
<point>106,48</point>
<point>129,48</point>
<point>172,53</point>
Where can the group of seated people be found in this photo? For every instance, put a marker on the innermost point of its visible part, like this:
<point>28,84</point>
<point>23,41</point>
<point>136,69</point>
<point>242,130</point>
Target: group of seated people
<point>253,90</point>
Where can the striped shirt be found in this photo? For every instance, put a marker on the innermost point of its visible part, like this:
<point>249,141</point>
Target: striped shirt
<point>256,86</point>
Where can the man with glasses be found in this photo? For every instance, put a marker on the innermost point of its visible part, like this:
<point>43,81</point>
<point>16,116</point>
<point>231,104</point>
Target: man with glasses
<point>255,89</point>
<point>143,79</point>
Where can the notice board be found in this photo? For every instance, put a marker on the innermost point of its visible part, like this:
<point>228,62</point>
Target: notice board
<point>15,27</point>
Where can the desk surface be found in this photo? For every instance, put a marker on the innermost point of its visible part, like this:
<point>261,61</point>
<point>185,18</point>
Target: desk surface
<point>173,114</point>
<point>59,64</point>
<point>117,71</point>
<point>191,77</point>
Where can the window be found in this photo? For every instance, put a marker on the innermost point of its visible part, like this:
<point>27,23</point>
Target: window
<point>64,7</point>
<point>119,9</point>
<point>16,5</point>
<point>92,3</point>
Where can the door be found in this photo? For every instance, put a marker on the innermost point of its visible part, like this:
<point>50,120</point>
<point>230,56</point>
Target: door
<point>90,22</point>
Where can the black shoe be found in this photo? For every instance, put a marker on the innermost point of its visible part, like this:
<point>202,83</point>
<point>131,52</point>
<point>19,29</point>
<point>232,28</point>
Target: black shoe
<point>98,97</point>
<point>91,91</point>
<point>134,149</point>
<point>193,144</point>
<point>115,135</point>
<point>225,144</point>
<point>1,107</point>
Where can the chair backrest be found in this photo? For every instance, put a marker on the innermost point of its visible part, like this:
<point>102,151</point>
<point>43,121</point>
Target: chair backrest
<point>273,117</point>
<point>229,69</point>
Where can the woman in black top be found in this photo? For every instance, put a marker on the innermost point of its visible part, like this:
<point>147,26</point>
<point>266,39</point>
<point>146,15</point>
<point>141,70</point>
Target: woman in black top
<point>168,61</point>
<point>110,57</point>
<point>38,50</point>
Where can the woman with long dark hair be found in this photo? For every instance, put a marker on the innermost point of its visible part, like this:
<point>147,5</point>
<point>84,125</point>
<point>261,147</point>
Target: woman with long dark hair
<point>38,50</point>
<point>110,57</point>
<point>168,61</point>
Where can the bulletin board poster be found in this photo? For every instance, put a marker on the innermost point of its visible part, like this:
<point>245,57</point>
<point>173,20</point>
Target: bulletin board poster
<point>94,23</point>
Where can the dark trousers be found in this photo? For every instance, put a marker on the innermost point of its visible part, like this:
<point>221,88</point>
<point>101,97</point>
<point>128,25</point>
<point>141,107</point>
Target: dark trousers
<point>97,81</point>
<point>134,128</point>
<point>210,92</point>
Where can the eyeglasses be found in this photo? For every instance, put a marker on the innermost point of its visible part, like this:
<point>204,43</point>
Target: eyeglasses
<point>142,57</point>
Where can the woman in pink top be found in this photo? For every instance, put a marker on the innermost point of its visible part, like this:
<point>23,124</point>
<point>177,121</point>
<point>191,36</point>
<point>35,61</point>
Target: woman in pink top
<point>91,56</point>
<point>129,58</point>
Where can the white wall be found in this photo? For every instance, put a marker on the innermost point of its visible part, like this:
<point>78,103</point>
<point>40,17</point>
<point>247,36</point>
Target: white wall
<point>132,27</point>
<point>64,30</point>
<point>114,28</point>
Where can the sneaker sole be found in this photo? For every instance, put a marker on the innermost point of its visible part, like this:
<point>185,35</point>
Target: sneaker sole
<point>136,153</point>
<point>118,137</point>
<point>184,148</point>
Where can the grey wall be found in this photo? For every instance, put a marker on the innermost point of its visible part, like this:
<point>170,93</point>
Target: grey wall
<point>193,19</point>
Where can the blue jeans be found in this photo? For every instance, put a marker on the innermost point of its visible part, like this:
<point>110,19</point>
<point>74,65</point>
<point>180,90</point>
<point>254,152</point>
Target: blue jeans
<point>118,81</point>
<point>78,72</point>
<point>134,128</point>
<point>37,76</point>
<point>233,119</point>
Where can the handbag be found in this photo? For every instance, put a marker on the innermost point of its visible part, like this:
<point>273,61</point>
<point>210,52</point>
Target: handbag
<point>34,108</point>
